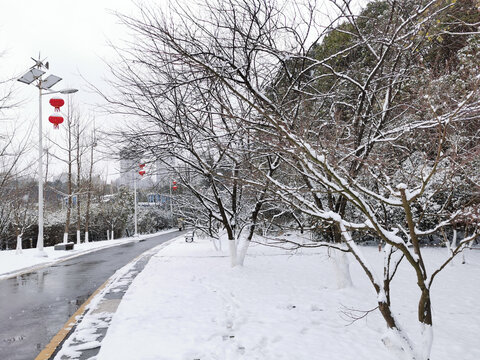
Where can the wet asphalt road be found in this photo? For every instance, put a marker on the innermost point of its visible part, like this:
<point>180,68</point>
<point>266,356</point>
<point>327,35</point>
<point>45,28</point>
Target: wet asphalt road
<point>35,306</point>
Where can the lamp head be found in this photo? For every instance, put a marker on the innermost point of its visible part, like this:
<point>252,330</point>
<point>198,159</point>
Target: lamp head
<point>68,91</point>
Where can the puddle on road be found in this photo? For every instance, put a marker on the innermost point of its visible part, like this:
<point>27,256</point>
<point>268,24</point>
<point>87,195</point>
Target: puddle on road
<point>65,264</point>
<point>90,263</point>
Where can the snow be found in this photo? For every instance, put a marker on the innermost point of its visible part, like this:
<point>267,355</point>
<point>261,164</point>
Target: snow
<point>12,264</point>
<point>188,303</point>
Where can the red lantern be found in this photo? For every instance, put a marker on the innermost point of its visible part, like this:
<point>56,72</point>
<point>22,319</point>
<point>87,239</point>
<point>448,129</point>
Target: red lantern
<point>142,172</point>
<point>57,103</point>
<point>174,187</point>
<point>55,120</point>
<point>142,166</point>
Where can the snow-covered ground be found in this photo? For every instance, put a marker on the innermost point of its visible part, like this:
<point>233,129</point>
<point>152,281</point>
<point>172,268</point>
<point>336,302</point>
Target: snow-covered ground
<point>12,263</point>
<point>189,304</point>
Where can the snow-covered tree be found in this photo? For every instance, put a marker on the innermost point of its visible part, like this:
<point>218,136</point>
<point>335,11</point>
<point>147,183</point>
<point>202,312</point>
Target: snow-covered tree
<point>195,123</point>
<point>338,102</point>
<point>12,168</point>
<point>114,211</point>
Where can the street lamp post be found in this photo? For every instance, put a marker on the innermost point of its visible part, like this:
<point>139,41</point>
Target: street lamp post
<point>40,252</point>
<point>135,201</point>
<point>141,172</point>
<point>171,199</point>
<point>35,74</point>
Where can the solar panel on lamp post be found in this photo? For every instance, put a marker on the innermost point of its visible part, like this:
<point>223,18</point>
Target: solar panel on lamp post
<point>35,75</point>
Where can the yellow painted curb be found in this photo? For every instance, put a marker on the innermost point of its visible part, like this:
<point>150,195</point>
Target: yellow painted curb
<point>48,351</point>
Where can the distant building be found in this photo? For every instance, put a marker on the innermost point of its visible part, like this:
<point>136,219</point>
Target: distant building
<point>127,169</point>
<point>74,200</point>
<point>159,199</point>
<point>156,200</point>
<point>164,172</point>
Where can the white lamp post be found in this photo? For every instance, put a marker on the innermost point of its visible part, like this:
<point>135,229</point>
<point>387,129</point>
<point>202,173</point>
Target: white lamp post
<point>135,201</point>
<point>35,74</point>
<point>141,172</point>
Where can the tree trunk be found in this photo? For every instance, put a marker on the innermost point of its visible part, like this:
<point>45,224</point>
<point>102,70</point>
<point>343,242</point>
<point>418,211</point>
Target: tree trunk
<point>18,233</point>
<point>341,262</point>
<point>425,319</point>
<point>89,185</point>
<point>78,187</point>
<point>242,252</point>
<point>243,246</point>
<point>89,193</point>
<point>398,342</point>
<point>342,269</point>
<point>232,246</point>
<point>395,340</point>
<point>19,244</point>
<point>215,246</point>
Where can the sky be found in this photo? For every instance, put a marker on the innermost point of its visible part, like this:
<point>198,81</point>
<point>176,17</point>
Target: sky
<point>73,36</point>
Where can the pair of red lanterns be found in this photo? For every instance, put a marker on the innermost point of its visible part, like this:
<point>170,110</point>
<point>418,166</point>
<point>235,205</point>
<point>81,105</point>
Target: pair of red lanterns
<point>142,172</point>
<point>56,119</point>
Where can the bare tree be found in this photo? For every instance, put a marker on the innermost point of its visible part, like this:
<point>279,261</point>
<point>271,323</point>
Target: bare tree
<point>23,215</point>
<point>73,150</point>
<point>194,122</point>
<point>89,185</point>
<point>12,166</point>
<point>82,145</point>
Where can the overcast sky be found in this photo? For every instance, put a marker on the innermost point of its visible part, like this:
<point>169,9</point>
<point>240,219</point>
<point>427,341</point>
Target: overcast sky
<point>73,35</point>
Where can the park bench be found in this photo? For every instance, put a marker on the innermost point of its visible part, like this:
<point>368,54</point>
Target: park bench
<point>189,237</point>
<point>64,246</point>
